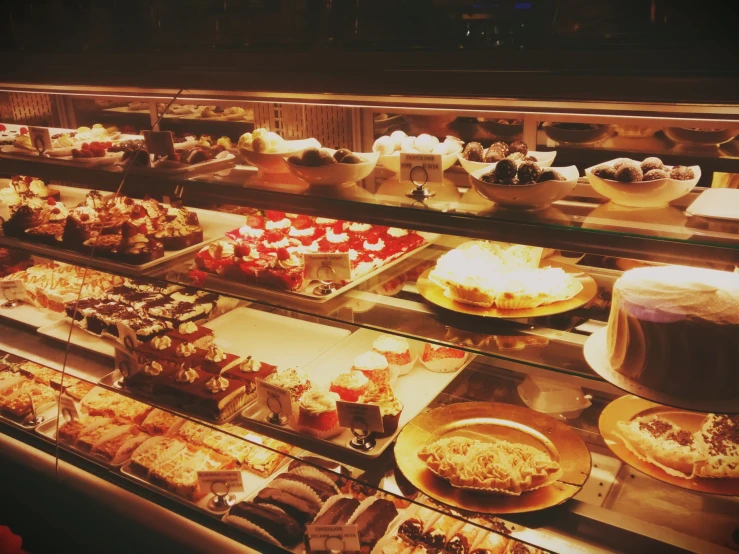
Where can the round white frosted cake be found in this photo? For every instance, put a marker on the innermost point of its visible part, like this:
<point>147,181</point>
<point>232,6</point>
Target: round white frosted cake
<point>676,329</point>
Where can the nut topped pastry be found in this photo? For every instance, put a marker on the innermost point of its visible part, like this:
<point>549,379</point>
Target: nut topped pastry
<point>718,442</point>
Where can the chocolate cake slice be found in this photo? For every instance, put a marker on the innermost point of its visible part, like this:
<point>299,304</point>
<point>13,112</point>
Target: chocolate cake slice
<point>373,522</point>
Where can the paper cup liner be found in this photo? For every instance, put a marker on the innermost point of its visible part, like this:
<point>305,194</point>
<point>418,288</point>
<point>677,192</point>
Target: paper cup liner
<point>251,528</point>
<point>330,502</point>
<point>404,369</point>
<point>363,505</point>
<point>313,473</point>
<point>443,365</point>
<point>301,490</point>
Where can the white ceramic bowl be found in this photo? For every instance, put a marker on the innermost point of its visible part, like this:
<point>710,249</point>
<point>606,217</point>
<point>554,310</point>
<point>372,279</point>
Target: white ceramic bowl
<point>335,174</point>
<point>527,197</point>
<point>392,162</point>
<point>544,159</point>
<point>643,194</point>
<point>275,163</point>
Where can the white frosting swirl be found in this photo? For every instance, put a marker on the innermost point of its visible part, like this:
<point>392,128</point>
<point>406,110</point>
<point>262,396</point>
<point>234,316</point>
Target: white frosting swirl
<point>215,354</point>
<point>187,328</point>
<point>359,227</point>
<point>185,349</point>
<point>376,247</point>
<point>282,243</point>
<point>284,223</point>
<point>217,384</point>
<point>307,232</point>
<point>390,343</point>
<point>370,361</point>
<point>186,375</point>
<point>670,293</point>
<point>221,249</point>
<point>292,262</point>
<point>396,232</point>
<point>161,343</point>
<point>250,365</point>
<point>336,237</point>
<point>316,401</point>
<point>154,368</point>
<point>251,232</point>
<point>325,221</point>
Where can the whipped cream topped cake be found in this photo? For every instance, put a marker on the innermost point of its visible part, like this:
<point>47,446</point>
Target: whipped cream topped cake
<point>676,329</point>
<point>718,441</point>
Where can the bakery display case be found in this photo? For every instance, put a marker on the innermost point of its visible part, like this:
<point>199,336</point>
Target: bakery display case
<point>373,323</point>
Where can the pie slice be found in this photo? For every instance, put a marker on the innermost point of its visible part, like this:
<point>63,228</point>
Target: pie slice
<point>662,443</point>
<point>718,442</point>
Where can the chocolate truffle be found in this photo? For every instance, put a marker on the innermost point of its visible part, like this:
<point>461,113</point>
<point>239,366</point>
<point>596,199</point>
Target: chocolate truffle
<point>473,152</point>
<point>502,146</point>
<point>618,162</point>
<point>605,172</point>
<point>488,177</point>
<point>551,175</point>
<point>326,158</point>
<point>341,153</point>
<point>516,157</point>
<point>311,157</point>
<point>519,146</point>
<point>528,172</point>
<point>530,159</point>
<point>493,156</point>
<point>352,159</point>
<point>295,160</point>
<point>654,174</point>
<point>629,172</point>
<point>682,173</point>
<point>505,170</point>
<point>651,163</point>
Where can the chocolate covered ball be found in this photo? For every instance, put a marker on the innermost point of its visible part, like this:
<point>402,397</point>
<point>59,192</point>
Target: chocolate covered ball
<point>651,163</point>
<point>341,153</point>
<point>473,152</point>
<point>528,172</point>
<point>505,170</point>
<point>629,172</point>
<point>516,157</point>
<point>605,172</point>
<point>326,158</point>
<point>493,156</point>
<point>618,162</point>
<point>311,157</point>
<point>295,160</point>
<point>352,159</point>
<point>502,146</point>
<point>551,175</point>
<point>654,174</point>
<point>682,173</point>
<point>488,177</point>
<point>530,159</point>
<point>519,146</point>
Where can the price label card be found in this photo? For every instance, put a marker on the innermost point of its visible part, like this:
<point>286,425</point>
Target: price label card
<point>328,267</point>
<point>159,143</point>
<point>40,138</point>
<point>126,363</point>
<point>233,480</point>
<point>361,417</point>
<point>421,169</point>
<point>68,408</point>
<point>277,399</point>
<point>13,287</point>
<point>333,538</point>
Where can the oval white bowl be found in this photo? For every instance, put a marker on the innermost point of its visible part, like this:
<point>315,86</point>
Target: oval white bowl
<point>335,174</point>
<point>273,162</point>
<point>527,197</point>
<point>544,159</point>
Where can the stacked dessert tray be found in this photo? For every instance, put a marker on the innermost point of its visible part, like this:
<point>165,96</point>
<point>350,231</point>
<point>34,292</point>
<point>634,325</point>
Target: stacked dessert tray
<point>214,225</point>
<point>415,390</point>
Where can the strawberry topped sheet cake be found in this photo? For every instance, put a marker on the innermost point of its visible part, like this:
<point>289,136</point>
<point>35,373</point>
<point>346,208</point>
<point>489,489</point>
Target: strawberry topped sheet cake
<point>268,250</point>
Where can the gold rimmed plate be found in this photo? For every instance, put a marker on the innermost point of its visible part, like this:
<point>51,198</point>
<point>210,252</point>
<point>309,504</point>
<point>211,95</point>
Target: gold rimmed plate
<point>629,407</point>
<point>482,420</point>
<point>436,295</point>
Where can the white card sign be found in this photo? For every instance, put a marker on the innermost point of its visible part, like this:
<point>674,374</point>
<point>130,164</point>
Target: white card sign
<point>277,399</point>
<point>233,480</point>
<point>40,138</point>
<point>333,538</point>
<point>68,408</point>
<point>159,143</point>
<point>360,417</point>
<point>13,287</point>
<point>126,364</point>
<point>328,267</point>
<point>421,169</point>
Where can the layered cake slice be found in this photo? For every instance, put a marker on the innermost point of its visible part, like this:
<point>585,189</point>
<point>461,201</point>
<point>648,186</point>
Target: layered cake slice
<point>69,431</point>
<point>211,396</point>
<point>248,370</point>
<point>217,361</point>
<point>34,396</point>
<point>201,337</point>
<point>160,422</point>
<point>117,446</point>
<point>154,451</point>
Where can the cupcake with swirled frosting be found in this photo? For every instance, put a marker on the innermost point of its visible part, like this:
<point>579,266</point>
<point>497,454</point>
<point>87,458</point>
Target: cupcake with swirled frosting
<point>317,414</point>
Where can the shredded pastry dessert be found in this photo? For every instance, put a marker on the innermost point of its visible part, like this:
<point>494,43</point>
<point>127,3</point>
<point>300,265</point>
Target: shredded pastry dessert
<point>494,466</point>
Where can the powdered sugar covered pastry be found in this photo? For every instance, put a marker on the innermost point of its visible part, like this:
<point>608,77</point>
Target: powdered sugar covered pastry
<point>496,466</point>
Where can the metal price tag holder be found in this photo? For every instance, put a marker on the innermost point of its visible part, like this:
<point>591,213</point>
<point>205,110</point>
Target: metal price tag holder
<point>364,439</point>
<point>419,177</point>
<point>10,302</point>
<point>275,417</point>
<point>34,418</point>
<point>326,276</point>
<point>222,498</point>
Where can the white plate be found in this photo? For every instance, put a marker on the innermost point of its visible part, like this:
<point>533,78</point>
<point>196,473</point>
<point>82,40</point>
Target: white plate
<point>80,338</point>
<point>595,352</point>
<point>535,196</point>
<point>716,203</point>
<point>544,159</point>
<point>278,340</point>
<point>31,315</point>
<point>416,390</point>
<point>216,164</point>
<point>335,174</point>
<point>239,289</point>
